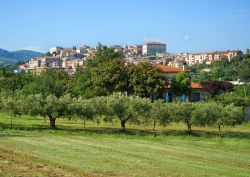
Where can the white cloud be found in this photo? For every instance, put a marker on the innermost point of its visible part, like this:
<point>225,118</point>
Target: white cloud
<point>187,38</point>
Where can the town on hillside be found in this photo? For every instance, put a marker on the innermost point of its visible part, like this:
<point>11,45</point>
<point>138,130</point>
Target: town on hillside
<point>69,59</point>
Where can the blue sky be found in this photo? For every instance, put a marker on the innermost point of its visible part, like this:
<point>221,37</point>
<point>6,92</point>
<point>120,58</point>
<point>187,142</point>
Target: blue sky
<point>185,25</point>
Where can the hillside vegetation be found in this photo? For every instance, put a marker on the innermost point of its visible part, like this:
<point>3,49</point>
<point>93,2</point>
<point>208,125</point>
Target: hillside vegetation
<point>7,57</point>
<point>237,68</point>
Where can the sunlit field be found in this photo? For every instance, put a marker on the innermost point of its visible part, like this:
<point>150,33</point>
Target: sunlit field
<point>29,148</point>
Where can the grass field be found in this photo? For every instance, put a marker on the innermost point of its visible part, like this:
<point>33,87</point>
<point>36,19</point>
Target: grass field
<point>30,149</point>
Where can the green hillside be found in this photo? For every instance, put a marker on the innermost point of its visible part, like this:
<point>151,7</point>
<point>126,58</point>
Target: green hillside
<point>238,68</point>
<point>7,57</point>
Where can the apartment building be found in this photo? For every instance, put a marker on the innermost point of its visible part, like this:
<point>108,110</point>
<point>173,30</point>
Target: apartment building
<point>199,58</point>
<point>151,48</point>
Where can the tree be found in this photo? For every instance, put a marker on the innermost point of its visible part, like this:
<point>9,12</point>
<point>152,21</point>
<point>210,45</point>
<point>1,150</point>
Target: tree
<point>83,109</point>
<point>102,75</point>
<point>159,113</point>
<point>181,84</point>
<point>214,113</point>
<point>206,114</point>
<point>13,82</point>
<point>230,115</point>
<point>122,107</point>
<point>216,87</point>
<point>109,77</point>
<point>244,72</point>
<point>12,105</point>
<point>105,54</point>
<point>56,107</point>
<point>50,82</point>
<point>50,106</point>
<point>181,112</point>
<point>146,80</point>
<point>142,107</point>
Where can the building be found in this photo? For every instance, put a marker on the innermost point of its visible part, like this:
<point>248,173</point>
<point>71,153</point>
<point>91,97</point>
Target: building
<point>117,48</point>
<point>208,58</point>
<point>151,48</point>
<point>55,50</point>
<point>197,90</point>
<point>83,49</point>
<point>135,49</point>
<point>197,94</point>
<point>171,71</point>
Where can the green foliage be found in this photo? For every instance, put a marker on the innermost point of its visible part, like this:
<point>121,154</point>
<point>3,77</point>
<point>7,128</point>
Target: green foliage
<point>181,84</point>
<point>206,114</point>
<point>102,75</point>
<point>160,113</point>
<point>82,108</point>
<point>239,97</point>
<point>214,113</point>
<point>146,80</point>
<point>12,82</point>
<point>49,106</point>
<point>109,77</point>
<point>11,104</point>
<point>181,112</point>
<point>237,68</point>
<point>7,57</point>
<point>122,107</point>
<point>52,82</point>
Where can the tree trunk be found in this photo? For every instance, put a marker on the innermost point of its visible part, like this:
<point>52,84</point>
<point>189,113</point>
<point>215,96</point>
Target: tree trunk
<point>52,122</point>
<point>189,128</point>
<point>11,120</point>
<point>84,122</point>
<point>44,119</point>
<point>123,125</point>
<point>219,130</point>
<point>154,126</point>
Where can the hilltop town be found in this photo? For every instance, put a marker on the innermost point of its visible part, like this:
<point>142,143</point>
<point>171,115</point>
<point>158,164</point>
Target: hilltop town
<point>69,59</point>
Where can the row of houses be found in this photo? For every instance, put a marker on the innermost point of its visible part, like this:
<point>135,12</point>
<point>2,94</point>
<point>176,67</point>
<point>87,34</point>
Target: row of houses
<point>38,65</point>
<point>208,58</point>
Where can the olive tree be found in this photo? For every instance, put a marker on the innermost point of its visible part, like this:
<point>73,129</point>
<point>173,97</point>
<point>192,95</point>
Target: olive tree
<point>49,106</point>
<point>122,107</point>
<point>181,112</point>
<point>206,114</point>
<point>231,116</point>
<point>159,113</point>
<point>12,106</point>
<point>83,109</point>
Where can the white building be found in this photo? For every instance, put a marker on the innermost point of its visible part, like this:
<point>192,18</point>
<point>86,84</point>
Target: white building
<point>151,48</point>
<point>55,50</point>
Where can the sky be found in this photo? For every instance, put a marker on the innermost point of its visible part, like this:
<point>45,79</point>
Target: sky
<point>184,25</point>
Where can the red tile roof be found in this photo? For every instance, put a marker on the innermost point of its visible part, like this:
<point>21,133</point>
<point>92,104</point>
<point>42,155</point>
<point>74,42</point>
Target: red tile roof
<point>193,86</point>
<point>196,85</point>
<point>170,69</point>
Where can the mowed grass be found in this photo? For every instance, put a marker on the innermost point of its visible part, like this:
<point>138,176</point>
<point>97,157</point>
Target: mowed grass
<point>30,149</point>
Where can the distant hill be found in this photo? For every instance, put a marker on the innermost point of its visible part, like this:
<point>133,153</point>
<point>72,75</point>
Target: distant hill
<point>7,57</point>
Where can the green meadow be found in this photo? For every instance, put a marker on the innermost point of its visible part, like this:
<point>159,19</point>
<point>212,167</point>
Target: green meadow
<point>29,148</point>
